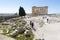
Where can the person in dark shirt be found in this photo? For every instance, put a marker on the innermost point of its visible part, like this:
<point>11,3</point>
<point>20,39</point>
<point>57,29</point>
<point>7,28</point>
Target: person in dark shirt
<point>47,20</point>
<point>32,24</point>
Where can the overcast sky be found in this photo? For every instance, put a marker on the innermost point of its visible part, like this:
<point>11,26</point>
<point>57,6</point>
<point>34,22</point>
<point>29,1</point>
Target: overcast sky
<point>12,6</point>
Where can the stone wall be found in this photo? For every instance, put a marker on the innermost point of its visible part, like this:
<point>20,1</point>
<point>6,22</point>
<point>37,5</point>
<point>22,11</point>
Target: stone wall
<point>6,17</point>
<point>40,10</point>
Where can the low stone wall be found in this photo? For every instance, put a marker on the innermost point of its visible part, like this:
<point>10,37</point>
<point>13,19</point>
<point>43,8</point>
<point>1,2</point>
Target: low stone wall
<point>7,17</point>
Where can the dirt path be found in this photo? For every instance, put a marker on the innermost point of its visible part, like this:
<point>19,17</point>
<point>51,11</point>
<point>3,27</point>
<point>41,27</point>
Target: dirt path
<point>52,31</point>
<point>39,33</point>
<point>49,31</point>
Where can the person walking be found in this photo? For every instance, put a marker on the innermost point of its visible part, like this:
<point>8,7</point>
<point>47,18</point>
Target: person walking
<point>47,20</point>
<point>32,24</point>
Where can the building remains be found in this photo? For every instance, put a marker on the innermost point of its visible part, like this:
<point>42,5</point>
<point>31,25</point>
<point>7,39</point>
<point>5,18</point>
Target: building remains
<point>40,10</point>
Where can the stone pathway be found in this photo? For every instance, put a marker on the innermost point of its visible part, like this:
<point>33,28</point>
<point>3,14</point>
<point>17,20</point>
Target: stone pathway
<point>52,31</point>
<point>39,33</point>
<point>49,31</point>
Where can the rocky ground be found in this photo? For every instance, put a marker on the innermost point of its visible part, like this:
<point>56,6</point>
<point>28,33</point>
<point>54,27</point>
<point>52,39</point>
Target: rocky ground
<point>42,29</point>
<point>3,37</point>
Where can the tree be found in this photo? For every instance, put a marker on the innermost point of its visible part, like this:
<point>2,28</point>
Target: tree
<point>22,11</point>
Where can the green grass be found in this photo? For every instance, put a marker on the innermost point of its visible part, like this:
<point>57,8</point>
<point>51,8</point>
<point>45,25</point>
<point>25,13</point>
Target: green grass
<point>23,37</point>
<point>0,25</point>
<point>12,21</point>
<point>4,32</point>
<point>19,36</point>
<point>38,39</point>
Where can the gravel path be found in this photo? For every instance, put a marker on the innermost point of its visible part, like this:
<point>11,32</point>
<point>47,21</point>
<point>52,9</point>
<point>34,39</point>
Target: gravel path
<point>52,31</point>
<point>49,31</point>
<point>39,33</point>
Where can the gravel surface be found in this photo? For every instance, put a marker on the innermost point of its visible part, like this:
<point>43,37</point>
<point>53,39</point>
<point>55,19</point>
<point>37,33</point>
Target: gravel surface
<point>49,31</point>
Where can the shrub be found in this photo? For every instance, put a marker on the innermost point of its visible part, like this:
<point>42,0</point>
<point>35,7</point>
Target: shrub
<point>22,11</point>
